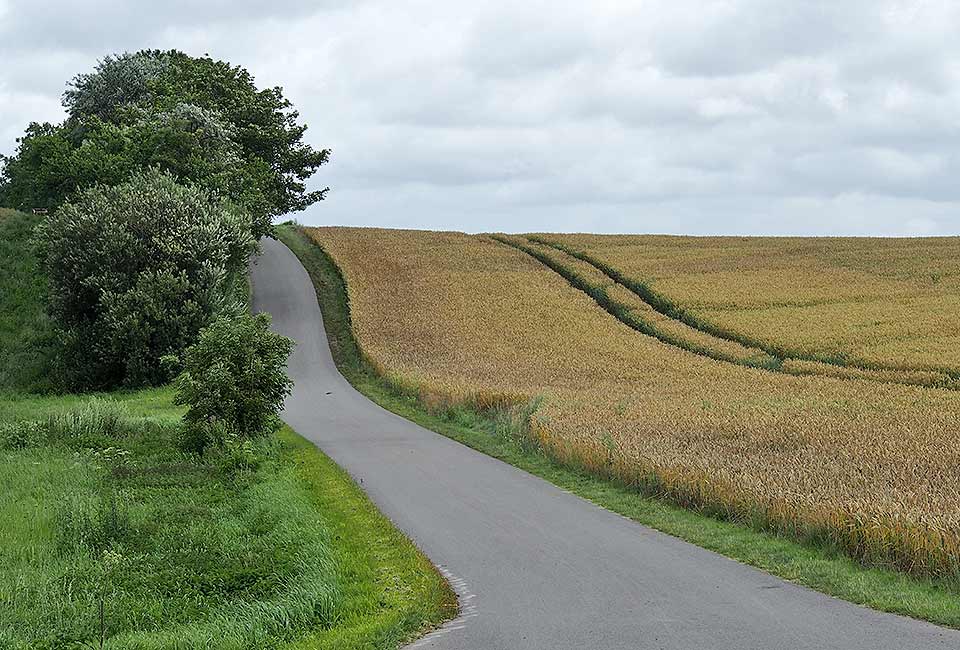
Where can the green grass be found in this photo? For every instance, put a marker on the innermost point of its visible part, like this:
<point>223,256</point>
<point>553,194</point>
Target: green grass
<point>156,403</point>
<point>820,567</point>
<point>26,337</point>
<point>265,546</point>
<point>268,546</point>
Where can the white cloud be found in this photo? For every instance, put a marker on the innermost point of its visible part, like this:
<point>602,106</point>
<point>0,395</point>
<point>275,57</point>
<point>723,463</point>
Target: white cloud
<point>749,116</point>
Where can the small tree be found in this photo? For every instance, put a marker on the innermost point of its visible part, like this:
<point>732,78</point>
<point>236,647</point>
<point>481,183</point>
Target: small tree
<point>235,377</point>
<point>135,272</point>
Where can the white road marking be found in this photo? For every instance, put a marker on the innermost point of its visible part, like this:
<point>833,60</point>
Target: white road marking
<point>468,610</point>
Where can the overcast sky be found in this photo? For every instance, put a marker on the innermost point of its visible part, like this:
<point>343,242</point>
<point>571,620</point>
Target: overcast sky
<point>698,117</point>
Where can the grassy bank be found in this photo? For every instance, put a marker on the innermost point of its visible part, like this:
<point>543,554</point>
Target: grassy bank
<point>110,530</point>
<point>819,566</point>
<point>26,345</point>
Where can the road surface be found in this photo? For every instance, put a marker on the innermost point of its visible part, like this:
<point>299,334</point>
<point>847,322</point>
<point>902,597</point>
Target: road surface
<point>536,567</point>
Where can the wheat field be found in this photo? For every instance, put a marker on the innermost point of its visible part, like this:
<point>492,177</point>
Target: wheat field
<point>883,303</point>
<point>870,466</point>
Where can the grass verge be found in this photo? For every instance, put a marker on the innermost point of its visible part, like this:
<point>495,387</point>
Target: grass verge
<point>111,532</point>
<point>821,567</point>
<point>26,334</point>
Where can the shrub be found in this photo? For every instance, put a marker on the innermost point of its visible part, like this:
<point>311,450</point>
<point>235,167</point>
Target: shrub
<point>235,378</point>
<point>21,435</point>
<point>135,272</point>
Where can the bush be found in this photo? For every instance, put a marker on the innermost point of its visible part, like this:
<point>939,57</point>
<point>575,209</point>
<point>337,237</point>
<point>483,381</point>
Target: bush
<point>135,272</point>
<point>235,379</point>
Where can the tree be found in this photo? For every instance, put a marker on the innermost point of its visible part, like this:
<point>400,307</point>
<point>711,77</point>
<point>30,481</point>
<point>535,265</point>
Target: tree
<point>135,272</point>
<point>185,102</point>
<point>265,122</point>
<point>190,142</point>
<point>42,173</point>
<point>117,82</point>
<point>235,377</point>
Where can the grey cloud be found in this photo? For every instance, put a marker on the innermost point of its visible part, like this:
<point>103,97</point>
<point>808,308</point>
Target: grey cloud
<point>527,38</point>
<point>741,116</point>
<point>726,38</point>
<point>86,26</point>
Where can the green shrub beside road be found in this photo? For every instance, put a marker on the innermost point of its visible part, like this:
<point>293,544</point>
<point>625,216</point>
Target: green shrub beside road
<point>235,379</point>
<point>135,271</point>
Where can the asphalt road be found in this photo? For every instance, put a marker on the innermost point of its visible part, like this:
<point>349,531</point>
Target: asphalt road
<point>534,566</point>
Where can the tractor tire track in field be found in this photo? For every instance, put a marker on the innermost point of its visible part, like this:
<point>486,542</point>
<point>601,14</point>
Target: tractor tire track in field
<point>763,359</point>
<point>537,567</point>
<point>668,308</point>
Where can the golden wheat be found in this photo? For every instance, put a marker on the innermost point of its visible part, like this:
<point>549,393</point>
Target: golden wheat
<point>874,467</point>
<point>636,313</point>
<point>889,303</point>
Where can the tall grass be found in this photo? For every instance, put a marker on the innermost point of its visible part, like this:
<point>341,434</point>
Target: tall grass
<point>112,533</point>
<point>179,550</point>
<point>26,334</point>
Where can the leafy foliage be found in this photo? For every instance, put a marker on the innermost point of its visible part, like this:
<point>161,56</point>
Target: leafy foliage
<point>235,377</point>
<point>45,169</point>
<point>203,120</point>
<point>117,81</point>
<point>135,271</point>
<point>265,122</point>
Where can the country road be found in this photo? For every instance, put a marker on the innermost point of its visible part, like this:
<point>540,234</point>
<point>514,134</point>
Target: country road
<point>536,567</point>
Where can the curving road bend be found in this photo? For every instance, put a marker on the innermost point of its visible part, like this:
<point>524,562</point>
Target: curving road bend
<point>536,567</point>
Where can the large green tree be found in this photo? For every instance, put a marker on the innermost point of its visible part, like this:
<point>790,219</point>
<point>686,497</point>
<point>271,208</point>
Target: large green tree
<point>203,120</point>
